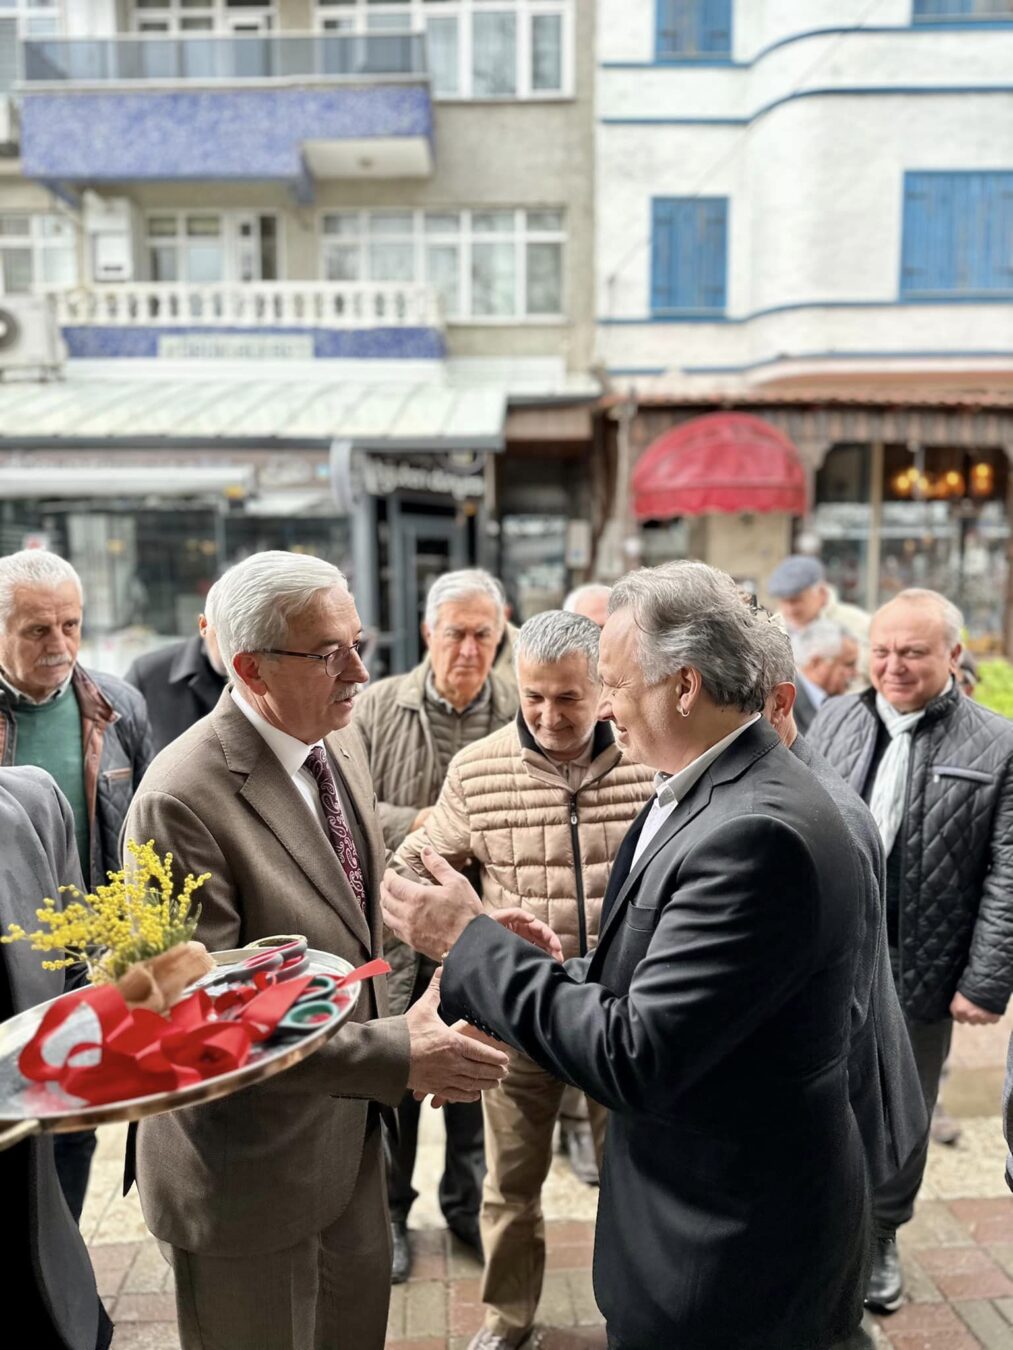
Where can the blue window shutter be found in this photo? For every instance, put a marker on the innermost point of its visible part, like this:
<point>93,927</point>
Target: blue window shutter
<point>690,28</point>
<point>688,254</point>
<point>715,35</point>
<point>1002,236</point>
<point>956,9</point>
<point>958,234</point>
<point>713,254</point>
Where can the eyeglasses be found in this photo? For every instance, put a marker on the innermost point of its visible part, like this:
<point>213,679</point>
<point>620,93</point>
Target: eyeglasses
<point>334,661</point>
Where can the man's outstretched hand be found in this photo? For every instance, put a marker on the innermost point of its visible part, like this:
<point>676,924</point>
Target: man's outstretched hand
<point>451,1066</point>
<point>432,918</point>
<point>429,918</point>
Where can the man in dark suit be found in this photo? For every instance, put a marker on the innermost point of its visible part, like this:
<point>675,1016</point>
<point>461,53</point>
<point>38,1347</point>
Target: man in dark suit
<point>181,682</point>
<point>712,1018</point>
<point>46,1264</point>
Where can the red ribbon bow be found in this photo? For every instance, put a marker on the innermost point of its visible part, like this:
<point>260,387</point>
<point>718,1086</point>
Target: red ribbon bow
<point>136,1053</point>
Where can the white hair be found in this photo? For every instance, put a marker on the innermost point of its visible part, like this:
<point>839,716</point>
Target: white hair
<point>252,604</point>
<point>462,585</point>
<point>778,655</point>
<point>690,614</point>
<point>32,567</point>
<point>953,619</point>
<point>553,634</point>
<point>590,590</point>
<point>820,639</point>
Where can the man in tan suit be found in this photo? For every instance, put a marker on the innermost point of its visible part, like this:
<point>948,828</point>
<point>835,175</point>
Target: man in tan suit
<point>270,1204</point>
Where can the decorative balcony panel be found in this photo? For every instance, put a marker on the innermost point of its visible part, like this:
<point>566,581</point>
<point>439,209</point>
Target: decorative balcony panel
<point>219,108</point>
<point>268,320</point>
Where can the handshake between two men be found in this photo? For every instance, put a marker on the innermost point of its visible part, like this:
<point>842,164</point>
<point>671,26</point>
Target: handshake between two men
<point>455,1064</point>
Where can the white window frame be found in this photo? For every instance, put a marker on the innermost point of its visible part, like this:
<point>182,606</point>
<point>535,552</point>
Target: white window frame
<point>358,12</point>
<point>465,237</point>
<point>28,11</point>
<point>173,12</point>
<point>229,237</point>
<point>37,242</point>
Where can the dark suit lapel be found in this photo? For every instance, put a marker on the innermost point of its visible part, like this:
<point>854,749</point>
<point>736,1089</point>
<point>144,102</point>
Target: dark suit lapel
<point>621,866</point>
<point>681,815</point>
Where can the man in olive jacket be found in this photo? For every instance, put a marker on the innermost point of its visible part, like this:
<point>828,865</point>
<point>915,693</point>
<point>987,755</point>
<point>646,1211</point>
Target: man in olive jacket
<point>936,770</point>
<point>411,727</point>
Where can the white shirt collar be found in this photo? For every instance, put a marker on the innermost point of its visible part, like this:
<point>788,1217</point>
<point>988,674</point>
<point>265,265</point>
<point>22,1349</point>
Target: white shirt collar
<point>289,750</point>
<point>671,788</point>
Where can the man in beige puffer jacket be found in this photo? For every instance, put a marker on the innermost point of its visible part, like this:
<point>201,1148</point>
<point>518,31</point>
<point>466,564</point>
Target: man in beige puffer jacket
<point>542,806</point>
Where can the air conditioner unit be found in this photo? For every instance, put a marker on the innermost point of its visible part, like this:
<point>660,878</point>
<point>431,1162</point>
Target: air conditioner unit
<point>29,336</point>
<point>9,128</point>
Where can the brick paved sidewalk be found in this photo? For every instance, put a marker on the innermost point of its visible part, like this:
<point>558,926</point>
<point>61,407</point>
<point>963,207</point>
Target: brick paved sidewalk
<point>958,1251</point>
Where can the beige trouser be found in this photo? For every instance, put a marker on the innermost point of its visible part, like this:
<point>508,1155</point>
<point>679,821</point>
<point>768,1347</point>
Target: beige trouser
<point>329,1292</point>
<point>520,1115</point>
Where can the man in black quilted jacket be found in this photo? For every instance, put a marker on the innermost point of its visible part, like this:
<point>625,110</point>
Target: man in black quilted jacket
<point>936,770</point>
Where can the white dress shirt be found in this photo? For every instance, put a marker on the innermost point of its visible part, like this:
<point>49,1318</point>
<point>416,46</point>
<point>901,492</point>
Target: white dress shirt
<point>670,789</point>
<point>291,753</point>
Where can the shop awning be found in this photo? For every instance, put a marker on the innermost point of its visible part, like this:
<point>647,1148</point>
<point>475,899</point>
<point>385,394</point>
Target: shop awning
<point>141,413</point>
<point>724,462</point>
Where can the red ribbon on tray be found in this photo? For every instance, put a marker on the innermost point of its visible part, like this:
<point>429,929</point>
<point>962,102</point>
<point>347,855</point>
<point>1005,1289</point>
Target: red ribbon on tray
<point>139,1052</point>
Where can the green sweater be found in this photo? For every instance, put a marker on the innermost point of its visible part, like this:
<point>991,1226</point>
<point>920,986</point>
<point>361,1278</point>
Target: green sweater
<point>49,736</point>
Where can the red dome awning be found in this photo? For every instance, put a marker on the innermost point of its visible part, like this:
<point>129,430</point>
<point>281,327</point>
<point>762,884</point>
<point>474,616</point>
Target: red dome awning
<point>731,462</point>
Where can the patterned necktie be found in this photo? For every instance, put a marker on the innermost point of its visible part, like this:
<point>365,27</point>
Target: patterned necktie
<point>337,826</point>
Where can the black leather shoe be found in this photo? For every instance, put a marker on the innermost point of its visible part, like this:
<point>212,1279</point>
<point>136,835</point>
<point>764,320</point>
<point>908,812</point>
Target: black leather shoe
<point>465,1228</point>
<point>401,1257</point>
<point>885,1290</point>
<point>580,1149</point>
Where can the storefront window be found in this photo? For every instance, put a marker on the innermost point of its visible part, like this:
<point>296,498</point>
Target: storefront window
<point>533,563</point>
<point>942,524</point>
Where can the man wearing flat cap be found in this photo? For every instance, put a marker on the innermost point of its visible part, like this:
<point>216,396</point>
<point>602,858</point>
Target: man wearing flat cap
<point>802,596</point>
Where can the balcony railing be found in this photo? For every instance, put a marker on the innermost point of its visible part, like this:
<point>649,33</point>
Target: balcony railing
<point>266,304</point>
<point>226,58</point>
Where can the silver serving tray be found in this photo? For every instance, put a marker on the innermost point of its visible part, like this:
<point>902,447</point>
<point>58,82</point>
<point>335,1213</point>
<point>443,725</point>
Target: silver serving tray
<point>28,1108</point>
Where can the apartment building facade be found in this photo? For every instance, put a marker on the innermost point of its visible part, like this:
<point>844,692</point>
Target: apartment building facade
<point>321,276</point>
<point>805,216</point>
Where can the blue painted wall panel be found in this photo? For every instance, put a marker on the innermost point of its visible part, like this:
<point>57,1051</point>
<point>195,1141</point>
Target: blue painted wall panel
<point>238,133</point>
<point>101,342</point>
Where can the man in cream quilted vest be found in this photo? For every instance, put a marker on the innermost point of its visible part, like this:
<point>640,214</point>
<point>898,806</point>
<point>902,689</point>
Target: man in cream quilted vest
<point>542,806</point>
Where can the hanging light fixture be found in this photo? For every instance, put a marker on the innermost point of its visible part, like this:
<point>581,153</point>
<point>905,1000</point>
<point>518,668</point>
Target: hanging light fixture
<point>982,479</point>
